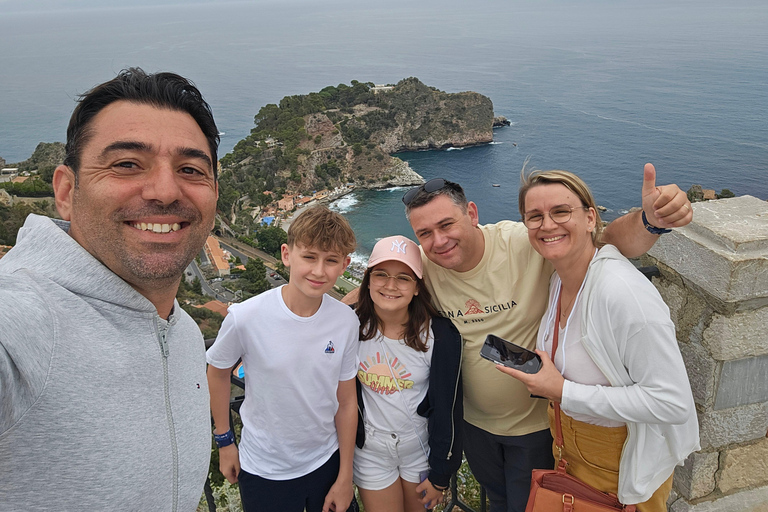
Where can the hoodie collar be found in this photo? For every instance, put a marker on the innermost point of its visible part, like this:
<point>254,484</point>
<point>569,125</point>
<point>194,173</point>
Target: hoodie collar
<point>44,247</point>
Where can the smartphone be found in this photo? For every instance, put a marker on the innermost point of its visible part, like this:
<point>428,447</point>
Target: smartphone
<point>500,351</point>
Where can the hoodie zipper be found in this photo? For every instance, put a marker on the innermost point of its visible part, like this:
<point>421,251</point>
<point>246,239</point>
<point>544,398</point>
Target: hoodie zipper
<point>162,336</point>
<point>455,393</point>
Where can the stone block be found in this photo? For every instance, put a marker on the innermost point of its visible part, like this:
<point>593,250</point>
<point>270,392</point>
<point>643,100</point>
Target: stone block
<point>728,240</point>
<point>673,296</point>
<point>673,497</point>
<point>732,426</point>
<point>753,500</point>
<point>702,370</point>
<point>737,336</point>
<point>687,309</point>
<point>744,466</point>
<point>742,382</point>
<point>696,478</point>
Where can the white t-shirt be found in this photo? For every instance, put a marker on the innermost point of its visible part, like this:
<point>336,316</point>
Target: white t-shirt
<point>292,366</point>
<point>379,360</point>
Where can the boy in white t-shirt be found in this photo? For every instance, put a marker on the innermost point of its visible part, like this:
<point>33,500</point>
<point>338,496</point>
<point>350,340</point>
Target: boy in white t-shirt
<point>298,347</point>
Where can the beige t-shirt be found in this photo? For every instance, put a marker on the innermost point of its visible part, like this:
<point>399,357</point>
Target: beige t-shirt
<point>505,295</point>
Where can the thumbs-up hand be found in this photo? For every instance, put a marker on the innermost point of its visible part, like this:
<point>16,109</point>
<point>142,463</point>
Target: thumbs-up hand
<point>666,206</point>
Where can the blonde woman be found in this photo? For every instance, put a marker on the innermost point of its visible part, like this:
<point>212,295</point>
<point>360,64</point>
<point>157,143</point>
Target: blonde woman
<point>627,412</point>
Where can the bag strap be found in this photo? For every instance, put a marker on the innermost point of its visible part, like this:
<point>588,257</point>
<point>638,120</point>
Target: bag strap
<point>555,336</point>
<point>562,463</point>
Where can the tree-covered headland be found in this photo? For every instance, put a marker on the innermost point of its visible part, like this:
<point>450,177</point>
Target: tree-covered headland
<point>345,134</point>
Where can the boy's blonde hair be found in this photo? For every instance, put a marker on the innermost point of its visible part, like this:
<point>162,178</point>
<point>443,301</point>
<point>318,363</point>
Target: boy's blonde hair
<point>321,228</point>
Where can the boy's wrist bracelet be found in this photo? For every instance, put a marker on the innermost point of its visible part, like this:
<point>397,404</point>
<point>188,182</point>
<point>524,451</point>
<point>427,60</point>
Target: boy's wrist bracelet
<point>225,439</point>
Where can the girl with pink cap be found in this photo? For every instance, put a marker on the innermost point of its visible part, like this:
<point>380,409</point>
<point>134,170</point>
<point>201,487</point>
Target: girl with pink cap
<point>409,386</point>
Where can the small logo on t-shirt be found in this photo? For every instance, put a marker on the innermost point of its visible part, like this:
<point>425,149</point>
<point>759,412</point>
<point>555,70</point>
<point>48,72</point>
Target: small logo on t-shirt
<point>473,307</point>
<point>329,348</point>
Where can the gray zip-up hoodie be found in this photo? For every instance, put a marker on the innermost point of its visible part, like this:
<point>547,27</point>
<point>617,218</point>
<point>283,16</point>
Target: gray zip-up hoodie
<point>103,404</point>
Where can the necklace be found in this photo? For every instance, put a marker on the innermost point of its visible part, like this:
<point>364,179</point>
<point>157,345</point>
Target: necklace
<point>566,309</point>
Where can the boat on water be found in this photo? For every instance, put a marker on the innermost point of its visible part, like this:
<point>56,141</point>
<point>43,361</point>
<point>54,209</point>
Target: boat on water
<point>496,184</point>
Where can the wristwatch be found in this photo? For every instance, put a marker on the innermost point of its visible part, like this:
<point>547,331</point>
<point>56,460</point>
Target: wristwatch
<point>653,229</point>
<point>225,439</point>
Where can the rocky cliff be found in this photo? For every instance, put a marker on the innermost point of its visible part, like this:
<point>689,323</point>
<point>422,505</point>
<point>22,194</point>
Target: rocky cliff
<point>46,155</point>
<point>348,134</point>
<point>426,118</point>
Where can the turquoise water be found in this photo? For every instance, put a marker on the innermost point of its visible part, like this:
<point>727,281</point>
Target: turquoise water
<point>598,87</point>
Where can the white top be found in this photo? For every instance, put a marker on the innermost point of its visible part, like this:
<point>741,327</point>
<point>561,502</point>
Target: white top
<point>292,366</point>
<point>626,329</point>
<point>381,360</point>
<point>572,360</point>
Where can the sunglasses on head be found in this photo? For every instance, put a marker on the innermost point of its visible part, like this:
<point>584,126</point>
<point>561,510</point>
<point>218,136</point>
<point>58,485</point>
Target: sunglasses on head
<point>432,185</point>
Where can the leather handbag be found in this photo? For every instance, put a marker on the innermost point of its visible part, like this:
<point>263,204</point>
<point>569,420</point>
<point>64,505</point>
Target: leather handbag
<point>553,490</point>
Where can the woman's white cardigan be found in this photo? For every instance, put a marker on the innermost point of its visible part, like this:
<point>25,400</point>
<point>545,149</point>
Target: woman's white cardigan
<point>627,332</point>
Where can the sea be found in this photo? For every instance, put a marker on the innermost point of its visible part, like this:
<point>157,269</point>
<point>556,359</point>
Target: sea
<point>597,87</point>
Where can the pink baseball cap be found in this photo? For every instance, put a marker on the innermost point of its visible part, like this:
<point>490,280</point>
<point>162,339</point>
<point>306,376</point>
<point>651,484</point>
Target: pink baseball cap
<point>397,248</point>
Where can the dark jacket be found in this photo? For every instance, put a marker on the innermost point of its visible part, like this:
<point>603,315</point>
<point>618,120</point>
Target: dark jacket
<point>443,406</point>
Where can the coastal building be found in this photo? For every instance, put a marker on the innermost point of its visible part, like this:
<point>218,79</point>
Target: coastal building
<point>217,257</point>
<point>216,306</point>
<point>9,170</point>
<point>381,88</point>
<point>286,203</point>
<point>321,194</point>
<point>304,201</point>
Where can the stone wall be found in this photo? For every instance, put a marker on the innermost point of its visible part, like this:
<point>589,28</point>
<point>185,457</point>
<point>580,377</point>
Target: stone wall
<point>714,277</point>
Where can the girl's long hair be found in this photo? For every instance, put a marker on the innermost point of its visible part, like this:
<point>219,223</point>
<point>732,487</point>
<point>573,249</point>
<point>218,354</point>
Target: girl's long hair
<point>420,310</point>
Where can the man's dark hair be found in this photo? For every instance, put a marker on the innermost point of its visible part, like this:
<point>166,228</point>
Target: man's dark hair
<point>451,190</point>
<point>160,90</point>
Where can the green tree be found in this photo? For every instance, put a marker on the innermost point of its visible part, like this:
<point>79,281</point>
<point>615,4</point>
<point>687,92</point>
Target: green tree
<point>197,286</point>
<point>725,193</point>
<point>270,238</point>
<point>255,277</point>
<point>46,172</point>
<point>282,269</point>
<point>13,217</point>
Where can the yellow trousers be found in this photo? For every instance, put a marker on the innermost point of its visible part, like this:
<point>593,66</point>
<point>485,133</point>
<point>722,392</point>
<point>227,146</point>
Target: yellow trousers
<point>593,455</point>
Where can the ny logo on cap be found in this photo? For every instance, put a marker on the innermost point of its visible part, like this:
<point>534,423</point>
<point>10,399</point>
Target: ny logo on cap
<point>398,246</point>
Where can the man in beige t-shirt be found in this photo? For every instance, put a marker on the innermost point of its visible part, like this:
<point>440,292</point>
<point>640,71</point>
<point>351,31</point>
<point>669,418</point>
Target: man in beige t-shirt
<point>488,279</point>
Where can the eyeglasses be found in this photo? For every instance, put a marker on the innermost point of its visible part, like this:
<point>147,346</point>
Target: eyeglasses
<point>381,278</point>
<point>432,185</point>
<point>559,214</point>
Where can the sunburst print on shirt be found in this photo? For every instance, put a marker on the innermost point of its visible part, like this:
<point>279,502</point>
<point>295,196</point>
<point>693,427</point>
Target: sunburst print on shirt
<point>377,375</point>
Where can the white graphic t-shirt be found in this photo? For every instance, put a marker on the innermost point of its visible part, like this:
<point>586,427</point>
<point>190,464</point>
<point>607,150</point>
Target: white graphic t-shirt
<point>386,365</point>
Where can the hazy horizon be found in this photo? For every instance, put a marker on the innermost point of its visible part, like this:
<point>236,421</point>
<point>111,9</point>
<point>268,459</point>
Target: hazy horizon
<point>681,83</point>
